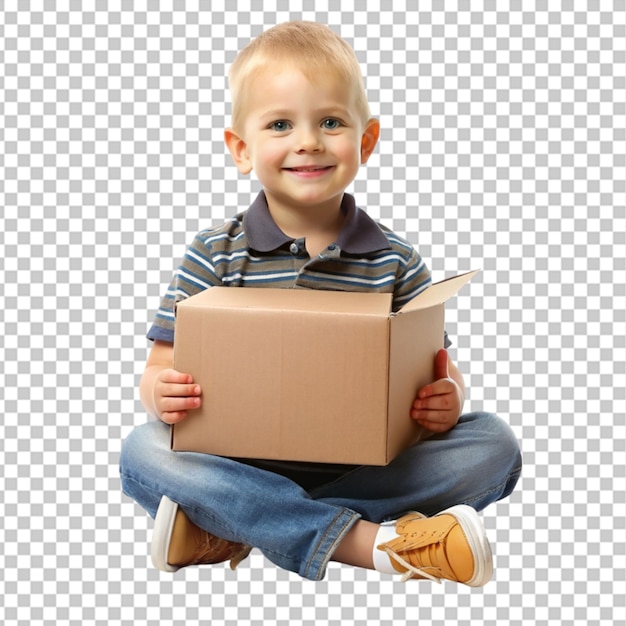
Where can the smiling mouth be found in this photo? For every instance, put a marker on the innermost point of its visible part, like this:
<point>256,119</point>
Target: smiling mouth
<point>317,168</point>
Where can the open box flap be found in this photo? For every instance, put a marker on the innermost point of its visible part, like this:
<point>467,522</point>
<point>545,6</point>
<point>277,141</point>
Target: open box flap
<point>439,292</point>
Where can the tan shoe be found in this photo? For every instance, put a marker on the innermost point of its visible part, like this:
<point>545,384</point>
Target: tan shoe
<point>451,545</point>
<point>177,542</point>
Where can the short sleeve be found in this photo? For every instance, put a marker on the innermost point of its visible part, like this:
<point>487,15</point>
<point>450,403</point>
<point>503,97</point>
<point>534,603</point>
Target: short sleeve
<point>195,274</point>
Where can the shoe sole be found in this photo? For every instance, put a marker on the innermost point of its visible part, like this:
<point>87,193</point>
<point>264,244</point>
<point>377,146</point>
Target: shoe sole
<point>162,535</point>
<point>477,539</point>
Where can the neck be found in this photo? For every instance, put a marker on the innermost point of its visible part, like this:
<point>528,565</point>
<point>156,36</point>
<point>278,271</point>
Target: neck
<point>323,221</point>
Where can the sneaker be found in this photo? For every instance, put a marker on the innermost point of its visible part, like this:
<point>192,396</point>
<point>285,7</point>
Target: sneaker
<point>451,545</point>
<point>177,542</point>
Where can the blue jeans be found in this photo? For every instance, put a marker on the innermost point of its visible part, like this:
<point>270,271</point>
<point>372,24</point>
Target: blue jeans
<point>297,515</point>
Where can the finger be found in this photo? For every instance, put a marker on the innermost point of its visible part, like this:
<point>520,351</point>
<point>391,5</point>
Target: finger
<point>438,388</point>
<point>172,376</point>
<point>431,404</point>
<point>171,410</point>
<point>173,417</point>
<point>434,420</point>
<point>434,416</point>
<point>177,391</point>
<point>426,418</point>
<point>441,365</point>
<point>172,405</point>
<point>440,372</point>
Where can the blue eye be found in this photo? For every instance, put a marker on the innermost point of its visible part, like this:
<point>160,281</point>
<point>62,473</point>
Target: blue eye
<point>331,124</point>
<point>280,126</point>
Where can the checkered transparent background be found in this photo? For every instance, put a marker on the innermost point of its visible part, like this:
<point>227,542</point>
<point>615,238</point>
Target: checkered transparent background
<point>503,147</point>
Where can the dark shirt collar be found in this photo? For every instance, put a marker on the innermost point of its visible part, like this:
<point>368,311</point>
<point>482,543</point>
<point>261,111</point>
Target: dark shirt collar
<point>360,234</point>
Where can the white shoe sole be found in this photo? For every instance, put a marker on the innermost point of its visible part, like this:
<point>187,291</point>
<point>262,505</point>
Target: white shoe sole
<point>162,535</point>
<point>477,539</point>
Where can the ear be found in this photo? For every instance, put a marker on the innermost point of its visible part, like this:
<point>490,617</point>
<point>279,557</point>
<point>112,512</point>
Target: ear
<point>369,139</point>
<point>238,150</point>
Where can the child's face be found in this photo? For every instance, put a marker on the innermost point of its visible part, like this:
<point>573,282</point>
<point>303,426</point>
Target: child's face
<point>305,141</point>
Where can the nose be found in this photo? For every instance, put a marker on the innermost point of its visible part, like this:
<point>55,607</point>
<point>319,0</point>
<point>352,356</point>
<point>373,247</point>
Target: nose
<point>308,140</point>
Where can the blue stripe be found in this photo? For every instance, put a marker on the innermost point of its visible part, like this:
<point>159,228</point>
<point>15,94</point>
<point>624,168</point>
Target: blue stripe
<point>224,258</point>
<point>192,279</point>
<point>395,238</point>
<point>388,259</point>
<point>401,300</point>
<point>209,237</point>
<point>362,281</point>
<point>259,278</point>
<point>267,281</point>
<point>165,315</point>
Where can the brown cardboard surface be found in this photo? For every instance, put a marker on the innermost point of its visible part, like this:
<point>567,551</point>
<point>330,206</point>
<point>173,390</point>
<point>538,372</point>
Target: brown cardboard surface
<point>304,375</point>
<point>411,366</point>
<point>305,300</point>
<point>439,292</point>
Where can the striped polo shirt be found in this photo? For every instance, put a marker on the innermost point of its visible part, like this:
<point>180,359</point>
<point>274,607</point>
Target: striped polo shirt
<point>250,250</point>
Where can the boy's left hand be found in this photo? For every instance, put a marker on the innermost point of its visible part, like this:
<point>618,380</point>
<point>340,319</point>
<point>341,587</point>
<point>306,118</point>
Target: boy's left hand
<point>438,405</point>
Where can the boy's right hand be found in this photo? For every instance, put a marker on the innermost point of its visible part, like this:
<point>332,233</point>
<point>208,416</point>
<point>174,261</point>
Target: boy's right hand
<point>173,394</point>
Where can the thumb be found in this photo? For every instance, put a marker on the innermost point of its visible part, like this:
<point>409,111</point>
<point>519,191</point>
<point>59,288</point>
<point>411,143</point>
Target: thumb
<point>441,365</point>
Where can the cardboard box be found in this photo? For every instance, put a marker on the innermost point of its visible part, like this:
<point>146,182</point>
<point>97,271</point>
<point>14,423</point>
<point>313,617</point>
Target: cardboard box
<point>306,375</point>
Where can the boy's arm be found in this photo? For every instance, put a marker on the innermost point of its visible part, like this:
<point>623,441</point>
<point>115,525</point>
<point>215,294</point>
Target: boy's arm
<point>164,392</point>
<point>438,406</point>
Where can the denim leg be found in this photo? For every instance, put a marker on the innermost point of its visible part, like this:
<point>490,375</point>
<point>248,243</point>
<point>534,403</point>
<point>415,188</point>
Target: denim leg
<point>475,463</point>
<point>235,501</point>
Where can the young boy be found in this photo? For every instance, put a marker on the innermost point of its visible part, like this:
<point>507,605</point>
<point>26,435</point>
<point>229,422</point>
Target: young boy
<point>301,122</point>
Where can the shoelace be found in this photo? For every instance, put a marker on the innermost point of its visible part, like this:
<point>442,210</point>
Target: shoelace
<point>411,570</point>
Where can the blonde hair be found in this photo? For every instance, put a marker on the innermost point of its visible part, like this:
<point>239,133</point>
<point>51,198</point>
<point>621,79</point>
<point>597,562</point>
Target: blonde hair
<point>313,48</point>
